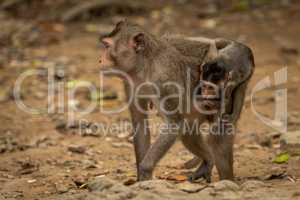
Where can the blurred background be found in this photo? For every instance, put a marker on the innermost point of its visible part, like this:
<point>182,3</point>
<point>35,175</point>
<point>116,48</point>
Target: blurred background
<point>43,155</point>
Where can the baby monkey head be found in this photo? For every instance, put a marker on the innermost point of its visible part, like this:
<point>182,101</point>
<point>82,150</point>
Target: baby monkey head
<point>213,81</point>
<point>124,47</point>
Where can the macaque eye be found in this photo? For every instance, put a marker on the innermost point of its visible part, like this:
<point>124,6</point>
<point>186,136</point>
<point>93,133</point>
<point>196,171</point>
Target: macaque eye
<point>105,44</point>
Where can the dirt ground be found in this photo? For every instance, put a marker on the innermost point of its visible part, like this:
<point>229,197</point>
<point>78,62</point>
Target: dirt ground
<point>43,158</point>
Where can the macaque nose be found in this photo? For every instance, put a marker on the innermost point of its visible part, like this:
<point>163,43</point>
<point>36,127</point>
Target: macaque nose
<point>207,90</point>
<point>100,61</point>
<point>208,105</point>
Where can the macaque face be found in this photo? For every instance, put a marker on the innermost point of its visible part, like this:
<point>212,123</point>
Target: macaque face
<point>121,48</point>
<point>106,60</point>
<point>213,81</point>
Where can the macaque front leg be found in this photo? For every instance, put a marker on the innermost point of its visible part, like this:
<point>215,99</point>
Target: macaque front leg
<point>222,141</point>
<point>141,134</point>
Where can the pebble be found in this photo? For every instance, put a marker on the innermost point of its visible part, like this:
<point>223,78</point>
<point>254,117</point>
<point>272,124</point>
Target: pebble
<point>121,145</point>
<point>100,184</point>
<point>252,185</point>
<point>226,185</point>
<point>61,188</point>
<point>77,149</point>
<point>190,187</point>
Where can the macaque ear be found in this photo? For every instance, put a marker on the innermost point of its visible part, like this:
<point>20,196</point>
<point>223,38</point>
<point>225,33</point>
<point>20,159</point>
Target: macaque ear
<point>138,42</point>
<point>120,23</point>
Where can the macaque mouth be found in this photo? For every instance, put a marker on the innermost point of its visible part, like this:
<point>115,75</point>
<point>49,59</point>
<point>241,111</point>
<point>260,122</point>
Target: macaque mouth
<point>210,104</point>
<point>209,98</point>
<point>209,94</point>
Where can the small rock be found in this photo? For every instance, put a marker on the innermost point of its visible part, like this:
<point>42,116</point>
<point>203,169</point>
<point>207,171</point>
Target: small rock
<point>226,190</point>
<point>149,196</point>
<point>60,125</point>
<point>27,167</point>
<point>123,135</point>
<point>100,184</point>
<point>88,164</point>
<point>129,181</point>
<point>190,188</point>
<point>226,185</point>
<point>31,181</point>
<point>153,184</point>
<point>290,142</point>
<point>118,188</point>
<point>89,129</point>
<point>265,141</point>
<point>252,185</point>
<point>61,188</point>
<point>274,176</point>
<point>121,145</point>
<point>42,142</point>
<point>8,143</point>
<point>77,149</point>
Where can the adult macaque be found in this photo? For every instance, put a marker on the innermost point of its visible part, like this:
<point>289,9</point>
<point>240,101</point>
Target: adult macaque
<point>173,67</point>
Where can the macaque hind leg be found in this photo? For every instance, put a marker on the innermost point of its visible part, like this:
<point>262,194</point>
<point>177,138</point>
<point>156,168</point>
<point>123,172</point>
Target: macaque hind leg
<point>203,171</point>
<point>222,146</point>
<point>222,142</point>
<point>193,141</point>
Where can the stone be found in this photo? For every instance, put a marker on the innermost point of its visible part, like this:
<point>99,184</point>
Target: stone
<point>290,142</point>
<point>100,184</point>
<point>190,187</point>
<point>122,191</point>
<point>226,189</point>
<point>251,185</point>
<point>77,149</point>
<point>112,189</point>
<point>121,145</point>
<point>153,184</point>
<point>61,188</point>
<point>226,185</point>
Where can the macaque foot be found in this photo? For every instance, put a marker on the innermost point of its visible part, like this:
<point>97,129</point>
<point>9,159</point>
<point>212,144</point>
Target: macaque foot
<point>144,176</point>
<point>194,162</point>
<point>204,171</point>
